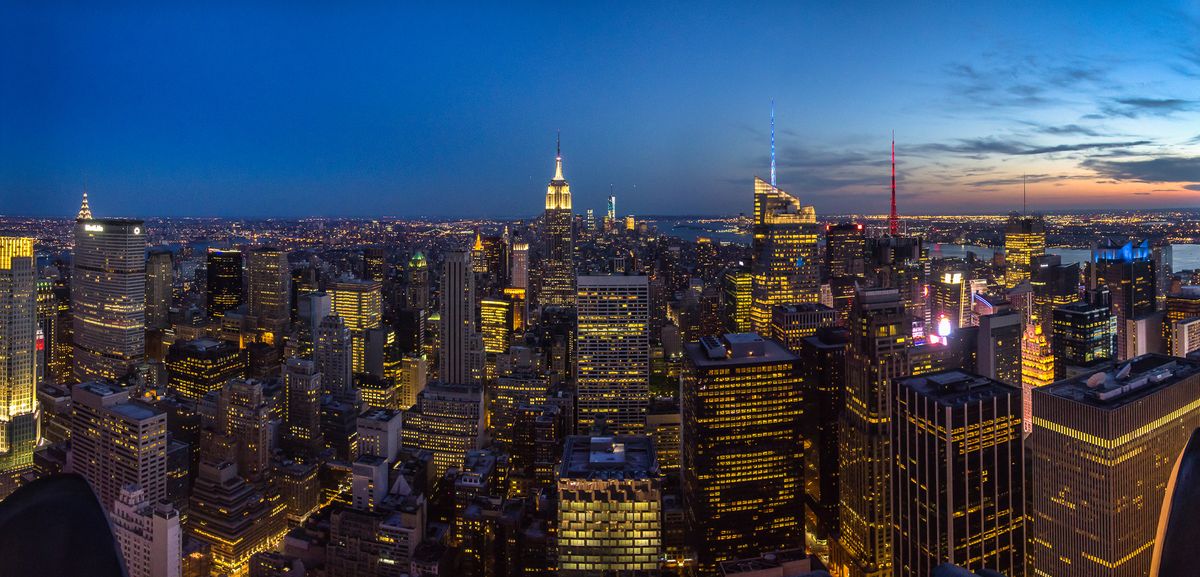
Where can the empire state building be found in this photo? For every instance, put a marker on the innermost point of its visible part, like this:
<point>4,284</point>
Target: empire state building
<point>558,264</point>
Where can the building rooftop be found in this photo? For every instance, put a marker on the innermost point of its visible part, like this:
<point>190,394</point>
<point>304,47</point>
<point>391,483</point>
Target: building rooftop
<point>786,563</point>
<point>617,457</point>
<point>956,387</point>
<point>803,308</point>
<point>137,410</point>
<point>736,349</point>
<point>1125,383</point>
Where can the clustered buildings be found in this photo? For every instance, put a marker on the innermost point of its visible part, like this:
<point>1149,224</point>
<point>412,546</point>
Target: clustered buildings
<point>589,398</point>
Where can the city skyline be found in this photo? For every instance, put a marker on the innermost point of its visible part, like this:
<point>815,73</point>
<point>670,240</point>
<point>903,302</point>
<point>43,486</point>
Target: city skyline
<point>248,112</point>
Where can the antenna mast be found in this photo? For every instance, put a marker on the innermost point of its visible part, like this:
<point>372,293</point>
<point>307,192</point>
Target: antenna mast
<point>893,219</point>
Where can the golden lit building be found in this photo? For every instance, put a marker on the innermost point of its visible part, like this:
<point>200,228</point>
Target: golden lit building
<point>360,304</point>
<point>448,421</point>
<point>18,359</point>
<point>1037,367</point>
<point>201,366</point>
<point>558,256</point>
<point>1024,239</point>
<point>877,354</point>
<point>495,324</point>
<point>738,300</point>
<point>785,267</point>
<point>609,507</point>
<point>741,447</point>
<point>952,430</point>
<point>1101,454</point>
<point>613,352</point>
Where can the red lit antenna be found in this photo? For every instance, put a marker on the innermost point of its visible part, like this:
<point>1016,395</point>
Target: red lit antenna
<point>893,219</point>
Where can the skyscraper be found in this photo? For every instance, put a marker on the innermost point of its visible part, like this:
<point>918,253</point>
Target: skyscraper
<point>558,256</point>
<point>880,331</point>
<point>737,300</point>
<point>1179,306</point>
<point>785,268</point>
<point>823,363</point>
<point>1128,271</point>
<point>301,429</point>
<point>1101,453</point>
<point>952,300</point>
<point>460,360</point>
<point>417,291</point>
<point>613,344</point>
<point>1024,239</point>
<point>270,287</point>
<point>108,295</point>
<point>239,416</point>
<point>609,507</point>
<point>1037,367</point>
<point>998,346</point>
<point>160,278</point>
<point>959,474</point>
<point>519,269</point>
<point>334,357</point>
<point>117,442</point>
<point>360,305</point>
<point>845,247</point>
<point>18,359</point>
<point>1085,335</point>
<point>742,451</point>
<point>223,288</point>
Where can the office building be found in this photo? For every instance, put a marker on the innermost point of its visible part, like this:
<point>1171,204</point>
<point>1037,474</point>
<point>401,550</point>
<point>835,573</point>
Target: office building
<point>460,359</point>
<point>876,355</point>
<point>334,357</point>
<point>823,365</point>
<point>417,282</point>
<point>558,237</point>
<point>785,268</point>
<point>201,366</point>
<point>791,324</point>
<point>374,263</point>
<point>117,442</point>
<point>959,476</point>
<point>1024,240</point>
<point>495,324</point>
<point>300,432</point>
<point>1101,454</point>
<point>223,289</point>
<point>233,518</point>
<point>1185,337</point>
<point>737,300</point>
<point>1037,367</point>
<point>240,418</point>
<point>742,450</point>
<point>613,348</point>
<point>148,533</point>
<point>519,269</point>
<point>845,247</point>
<point>998,346</point>
<point>1128,271</point>
<point>160,284</point>
<point>448,421</point>
<point>952,299</point>
<point>270,287</point>
<point>1085,335</point>
<point>609,507</point>
<point>1179,305</point>
<point>18,359</point>
<point>108,296</point>
<point>359,303</point>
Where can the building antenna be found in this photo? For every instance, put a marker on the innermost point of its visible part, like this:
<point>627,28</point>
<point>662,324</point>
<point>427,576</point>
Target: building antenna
<point>1024,197</point>
<point>772,143</point>
<point>893,219</point>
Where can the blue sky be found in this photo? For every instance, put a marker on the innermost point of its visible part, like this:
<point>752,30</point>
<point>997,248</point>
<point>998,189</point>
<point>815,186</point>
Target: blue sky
<point>388,109</point>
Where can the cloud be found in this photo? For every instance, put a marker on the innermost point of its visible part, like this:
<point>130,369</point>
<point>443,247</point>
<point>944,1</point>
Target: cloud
<point>1161,169</point>
<point>1068,130</point>
<point>1137,107</point>
<point>1005,80</point>
<point>1141,194</point>
<point>977,147</point>
<point>1192,186</point>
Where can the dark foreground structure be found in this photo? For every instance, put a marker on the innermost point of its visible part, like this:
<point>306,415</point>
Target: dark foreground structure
<point>42,519</point>
<point>1175,545</point>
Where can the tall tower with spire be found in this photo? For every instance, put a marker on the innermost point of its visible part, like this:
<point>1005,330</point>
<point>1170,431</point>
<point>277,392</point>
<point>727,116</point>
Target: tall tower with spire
<point>85,211</point>
<point>893,218</point>
<point>558,254</point>
<point>785,268</point>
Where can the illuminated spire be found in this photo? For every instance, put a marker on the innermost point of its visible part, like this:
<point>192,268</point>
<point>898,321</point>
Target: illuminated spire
<point>773,142</point>
<point>558,173</point>
<point>893,218</point>
<point>85,211</point>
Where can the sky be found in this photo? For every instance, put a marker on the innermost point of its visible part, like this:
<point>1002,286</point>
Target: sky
<point>376,109</point>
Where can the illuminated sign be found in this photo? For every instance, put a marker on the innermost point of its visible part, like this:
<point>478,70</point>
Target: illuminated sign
<point>93,227</point>
<point>137,230</point>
